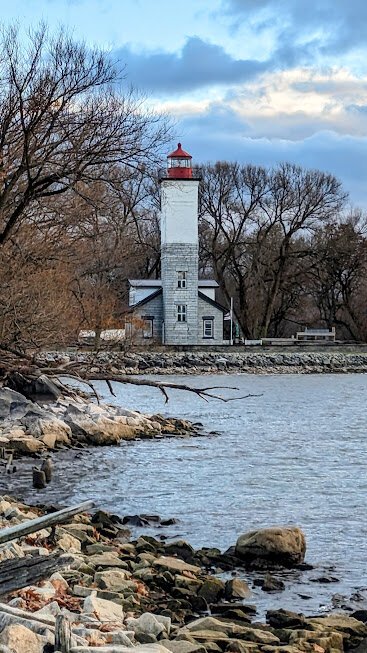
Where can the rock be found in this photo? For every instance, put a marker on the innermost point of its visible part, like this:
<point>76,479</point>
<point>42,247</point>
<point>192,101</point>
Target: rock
<point>99,429</point>
<point>175,564</point>
<point>149,624</point>
<point>188,583</point>
<point>182,646</point>
<point>69,544</point>
<point>272,584</point>
<point>14,405</point>
<point>106,560</point>
<point>277,545</point>
<point>26,445</point>
<point>104,610</point>
<point>342,624</point>
<point>285,619</point>
<point>114,580</point>
<point>212,589</point>
<point>360,615</point>
<point>182,549</point>
<point>236,589</point>
<point>21,640</point>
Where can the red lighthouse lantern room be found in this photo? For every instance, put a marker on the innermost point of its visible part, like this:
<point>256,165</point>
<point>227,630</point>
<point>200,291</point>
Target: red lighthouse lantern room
<point>179,164</point>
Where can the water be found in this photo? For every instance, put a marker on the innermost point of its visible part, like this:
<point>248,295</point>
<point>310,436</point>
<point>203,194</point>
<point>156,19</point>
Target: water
<point>297,454</point>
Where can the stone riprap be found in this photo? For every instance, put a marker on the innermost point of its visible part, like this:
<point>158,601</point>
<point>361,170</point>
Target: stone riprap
<point>30,428</point>
<point>204,362</point>
<point>148,595</point>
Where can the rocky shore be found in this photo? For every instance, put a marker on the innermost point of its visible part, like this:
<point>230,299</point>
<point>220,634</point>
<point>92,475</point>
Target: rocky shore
<point>35,428</point>
<point>209,362</point>
<point>149,595</point>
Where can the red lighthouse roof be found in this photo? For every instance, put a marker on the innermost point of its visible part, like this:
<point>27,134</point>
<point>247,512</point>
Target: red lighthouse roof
<point>179,153</point>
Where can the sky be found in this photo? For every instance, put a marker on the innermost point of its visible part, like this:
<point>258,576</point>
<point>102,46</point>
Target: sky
<point>254,81</point>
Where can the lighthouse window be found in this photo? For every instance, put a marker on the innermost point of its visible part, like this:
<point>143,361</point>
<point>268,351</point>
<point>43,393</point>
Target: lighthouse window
<point>181,279</point>
<point>181,312</point>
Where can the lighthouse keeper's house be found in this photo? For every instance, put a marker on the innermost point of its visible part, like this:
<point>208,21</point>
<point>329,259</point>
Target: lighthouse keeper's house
<point>179,308</point>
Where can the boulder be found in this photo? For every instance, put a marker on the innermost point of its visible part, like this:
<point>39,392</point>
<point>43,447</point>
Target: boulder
<point>14,405</point>
<point>149,624</point>
<point>104,610</point>
<point>236,589</point>
<point>69,544</point>
<point>212,589</point>
<point>26,445</point>
<point>20,639</point>
<point>113,580</point>
<point>54,431</point>
<point>277,545</point>
<point>175,565</point>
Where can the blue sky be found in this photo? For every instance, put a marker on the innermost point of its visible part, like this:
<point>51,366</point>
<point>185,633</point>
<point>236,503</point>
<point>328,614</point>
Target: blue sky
<point>257,81</point>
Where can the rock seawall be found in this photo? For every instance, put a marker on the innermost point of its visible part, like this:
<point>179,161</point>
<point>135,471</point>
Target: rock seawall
<point>204,362</point>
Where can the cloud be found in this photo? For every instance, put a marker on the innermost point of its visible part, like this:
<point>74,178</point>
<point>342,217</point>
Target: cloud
<point>326,27</point>
<point>199,64</point>
<point>223,135</point>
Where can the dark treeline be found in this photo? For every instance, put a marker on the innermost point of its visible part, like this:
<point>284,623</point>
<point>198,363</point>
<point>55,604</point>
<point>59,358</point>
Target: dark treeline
<point>79,212</point>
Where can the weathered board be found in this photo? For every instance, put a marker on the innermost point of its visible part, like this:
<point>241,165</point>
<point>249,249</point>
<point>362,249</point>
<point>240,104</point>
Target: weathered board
<point>21,572</point>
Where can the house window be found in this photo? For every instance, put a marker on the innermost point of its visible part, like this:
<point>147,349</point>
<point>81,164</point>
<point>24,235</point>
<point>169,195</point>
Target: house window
<point>181,279</point>
<point>208,327</point>
<point>148,326</point>
<point>181,312</point>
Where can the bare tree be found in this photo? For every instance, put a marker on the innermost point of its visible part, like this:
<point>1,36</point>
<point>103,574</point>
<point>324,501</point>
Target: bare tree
<point>336,278</point>
<point>62,122</point>
<point>252,223</point>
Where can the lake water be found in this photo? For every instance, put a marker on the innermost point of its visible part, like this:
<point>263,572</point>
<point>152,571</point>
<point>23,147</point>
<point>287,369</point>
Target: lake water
<point>297,454</point>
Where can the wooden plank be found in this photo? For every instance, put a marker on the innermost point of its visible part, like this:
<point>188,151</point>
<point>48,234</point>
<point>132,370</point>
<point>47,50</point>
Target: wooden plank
<point>34,525</point>
<point>62,634</point>
<point>46,620</point>
<point>21,572</point>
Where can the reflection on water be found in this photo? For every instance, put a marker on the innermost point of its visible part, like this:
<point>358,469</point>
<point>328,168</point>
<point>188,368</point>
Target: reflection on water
<point>296,454</point>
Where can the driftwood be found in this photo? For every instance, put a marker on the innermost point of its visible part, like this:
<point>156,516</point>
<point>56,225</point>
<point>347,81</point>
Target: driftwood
<point>20,370</point>
<point>9,463</point>
<point>111,648</point>
<point>21,572</point>
<point>47,468</point>
<point>62,634</point>
<point>46,620</point>
<point>34,525</point>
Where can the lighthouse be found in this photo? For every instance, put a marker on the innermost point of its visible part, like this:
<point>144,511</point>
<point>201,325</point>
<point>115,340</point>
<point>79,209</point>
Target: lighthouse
<point>179,249</point>
<point>178,309</point>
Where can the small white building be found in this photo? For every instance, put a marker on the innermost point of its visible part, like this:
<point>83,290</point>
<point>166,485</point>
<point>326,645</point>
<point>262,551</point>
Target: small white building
<point>179,308</point>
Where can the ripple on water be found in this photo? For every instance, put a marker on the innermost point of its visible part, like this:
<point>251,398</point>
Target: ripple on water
<point>296,454</point>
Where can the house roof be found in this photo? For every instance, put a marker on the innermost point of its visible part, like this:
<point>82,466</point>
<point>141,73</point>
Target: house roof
<point>207,299</point>
<point>157,283</point>
<point>145,283</point>
<point>158,292</point>
<point>146,300</point>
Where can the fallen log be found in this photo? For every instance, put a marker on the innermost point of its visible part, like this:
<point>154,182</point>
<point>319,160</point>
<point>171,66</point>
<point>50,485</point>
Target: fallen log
<point>34,525</point>
<point>110,648</point>
<point>21,572</point>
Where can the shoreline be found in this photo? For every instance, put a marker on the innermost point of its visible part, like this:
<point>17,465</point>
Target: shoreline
<point>120,593</point>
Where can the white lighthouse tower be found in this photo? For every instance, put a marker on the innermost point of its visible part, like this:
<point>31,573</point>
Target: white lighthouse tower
<point>179,250</point>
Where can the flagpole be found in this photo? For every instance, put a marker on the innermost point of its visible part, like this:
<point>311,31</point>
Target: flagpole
<point>231,318</point>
